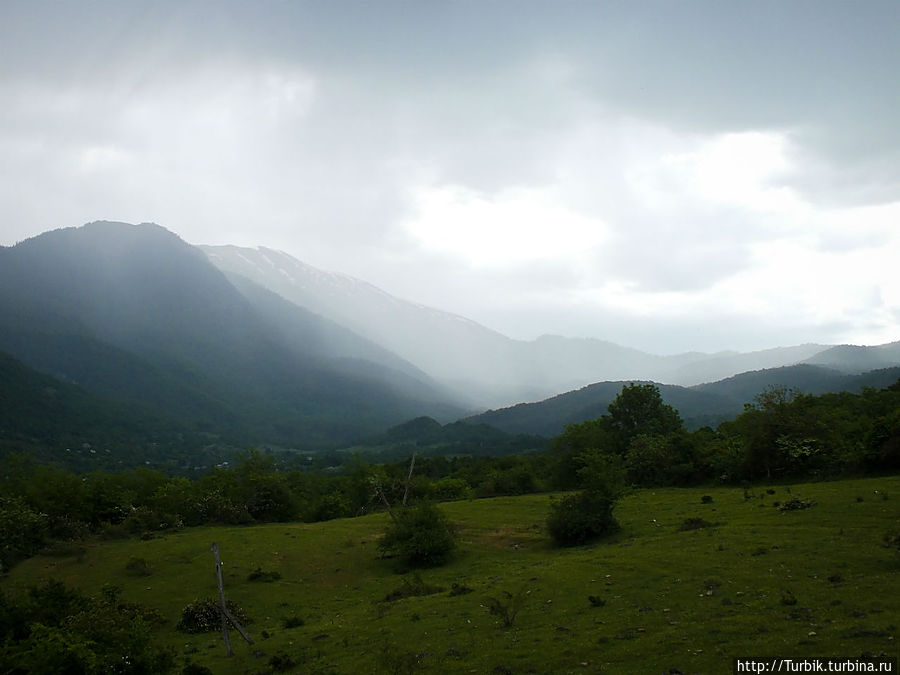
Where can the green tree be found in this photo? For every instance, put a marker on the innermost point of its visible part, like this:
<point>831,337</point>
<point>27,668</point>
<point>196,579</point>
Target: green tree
<point>639,409</point>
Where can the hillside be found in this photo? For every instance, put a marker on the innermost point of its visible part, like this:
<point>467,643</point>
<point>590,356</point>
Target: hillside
<point>707,404</point>
<point>426,436</point>
<point>135,314</point>
<point>656,596</point>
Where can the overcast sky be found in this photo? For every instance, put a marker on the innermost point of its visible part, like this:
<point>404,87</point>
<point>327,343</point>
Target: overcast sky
<point>665,175</point>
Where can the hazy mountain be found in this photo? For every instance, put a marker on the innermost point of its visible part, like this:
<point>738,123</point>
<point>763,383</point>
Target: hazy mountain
<point>714,367</point>
<point>487,367</point>
<point>135,313</point>
<point>855,359</point>
<point>706,404</point>
<point>427,436</point>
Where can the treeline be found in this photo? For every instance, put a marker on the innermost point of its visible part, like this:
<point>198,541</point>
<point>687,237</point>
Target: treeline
<point>782,434</point>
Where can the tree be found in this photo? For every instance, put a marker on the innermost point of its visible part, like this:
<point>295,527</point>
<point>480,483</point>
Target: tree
<point>569,447</point>
<point>639,409</point>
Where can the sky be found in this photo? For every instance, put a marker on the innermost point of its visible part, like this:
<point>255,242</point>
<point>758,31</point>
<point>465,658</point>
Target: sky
<point>670,176</point>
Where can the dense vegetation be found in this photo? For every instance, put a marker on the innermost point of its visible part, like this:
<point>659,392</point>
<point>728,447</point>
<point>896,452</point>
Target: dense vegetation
<point>782,435</point>
<point>640,442</point>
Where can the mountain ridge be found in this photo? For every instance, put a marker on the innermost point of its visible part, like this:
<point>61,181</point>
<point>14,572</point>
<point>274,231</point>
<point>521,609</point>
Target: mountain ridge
<point>489,368</point>
<point>76,296</point>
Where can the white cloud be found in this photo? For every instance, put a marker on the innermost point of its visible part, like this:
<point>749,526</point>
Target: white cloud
<point>514,226</point>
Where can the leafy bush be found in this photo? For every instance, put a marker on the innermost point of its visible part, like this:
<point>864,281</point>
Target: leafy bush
<point>54,629</point>
<point>202,616</point>
<point>797,504</point>
<point>579,518</point>
<point>421,536</point>
<point>21,531</point>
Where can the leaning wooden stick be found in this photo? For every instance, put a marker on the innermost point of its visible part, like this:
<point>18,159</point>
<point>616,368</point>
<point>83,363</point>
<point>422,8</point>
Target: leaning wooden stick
<point>222,609</point>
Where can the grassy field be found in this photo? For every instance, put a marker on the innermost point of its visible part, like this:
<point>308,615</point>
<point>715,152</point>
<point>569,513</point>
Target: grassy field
<point>755,581</point>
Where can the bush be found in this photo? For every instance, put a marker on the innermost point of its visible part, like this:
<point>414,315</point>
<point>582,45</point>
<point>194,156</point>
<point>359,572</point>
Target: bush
<point>421,536</point>
<point>54,629</point>
<point>202,616</point>
<point>579,518</point>
<point>797,504</point>
<point>508,606</point>
<point>22,531</point>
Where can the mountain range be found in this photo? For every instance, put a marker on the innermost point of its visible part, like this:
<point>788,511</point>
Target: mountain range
<point>134,314</point>
<point>227,346</point>
<point>492,370</point>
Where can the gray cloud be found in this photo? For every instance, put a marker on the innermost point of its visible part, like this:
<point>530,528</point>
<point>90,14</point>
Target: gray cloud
<point>314,128</point>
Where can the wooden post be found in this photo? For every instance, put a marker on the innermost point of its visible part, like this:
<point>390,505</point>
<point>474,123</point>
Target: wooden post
<point>412,465</point>
<point>222,608</point>
<point>227,617</point>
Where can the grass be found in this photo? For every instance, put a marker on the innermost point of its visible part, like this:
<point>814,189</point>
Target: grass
<point>807,582</point>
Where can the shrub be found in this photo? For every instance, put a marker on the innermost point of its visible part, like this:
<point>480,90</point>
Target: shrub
<point>797,504</point>
<point>202,616</point>
<point>579,518</point>
<point>22,531</point>
<point>507,607</point>
<point>421,536</point>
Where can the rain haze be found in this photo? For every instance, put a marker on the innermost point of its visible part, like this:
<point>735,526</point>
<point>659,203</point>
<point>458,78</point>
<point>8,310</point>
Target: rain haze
<point>667,176</point>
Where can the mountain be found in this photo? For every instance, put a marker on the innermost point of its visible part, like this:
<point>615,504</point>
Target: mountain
<point>427,436</point>
<point>856,359</point>
<point>489,369</point>
<point>707,404</point>
<point>133,313</point>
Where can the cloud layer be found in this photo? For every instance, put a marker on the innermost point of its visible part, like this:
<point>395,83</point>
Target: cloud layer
<point>672,176</point>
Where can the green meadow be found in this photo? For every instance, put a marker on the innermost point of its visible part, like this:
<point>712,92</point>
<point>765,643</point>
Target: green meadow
<point>687,583</point>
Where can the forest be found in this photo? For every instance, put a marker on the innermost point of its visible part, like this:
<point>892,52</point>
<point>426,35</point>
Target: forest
<point>781,435</point>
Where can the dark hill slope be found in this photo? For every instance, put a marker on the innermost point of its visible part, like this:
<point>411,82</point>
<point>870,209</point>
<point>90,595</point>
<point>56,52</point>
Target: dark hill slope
<point>699,405</point>
<point>136,314</point>
<point>58,422</point>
